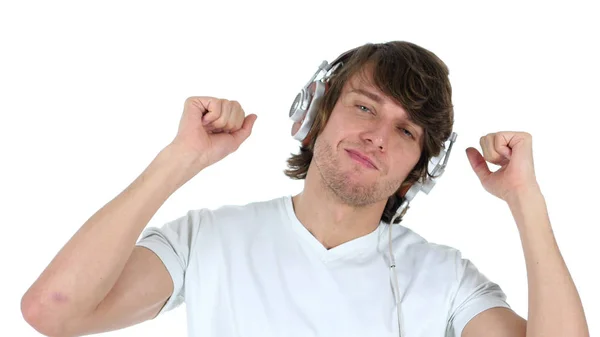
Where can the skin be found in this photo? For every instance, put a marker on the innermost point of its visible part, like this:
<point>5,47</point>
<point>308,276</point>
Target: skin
<point>99,281</point>
<point>554,305</point>
<point>342,198</point>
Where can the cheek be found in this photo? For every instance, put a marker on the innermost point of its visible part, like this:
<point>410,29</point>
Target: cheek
<point>337,128</point>
<point>348,127</point>
<point>407,161</point>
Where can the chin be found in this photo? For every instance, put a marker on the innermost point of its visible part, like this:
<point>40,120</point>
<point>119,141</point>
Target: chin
<point>359,180</point>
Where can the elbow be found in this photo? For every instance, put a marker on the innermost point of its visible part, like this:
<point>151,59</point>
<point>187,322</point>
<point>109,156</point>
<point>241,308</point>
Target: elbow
<point>41,318</point>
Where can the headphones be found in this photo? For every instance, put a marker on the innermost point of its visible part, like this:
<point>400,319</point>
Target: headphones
<point>304,109</point>
<point>303,112</point>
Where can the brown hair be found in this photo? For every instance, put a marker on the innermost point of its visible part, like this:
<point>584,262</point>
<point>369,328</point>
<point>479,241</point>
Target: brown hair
<point>410,75</point>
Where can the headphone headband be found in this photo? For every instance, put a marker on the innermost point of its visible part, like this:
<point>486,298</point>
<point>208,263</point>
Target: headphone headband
<point>304,110</point>
<point>339,60</point>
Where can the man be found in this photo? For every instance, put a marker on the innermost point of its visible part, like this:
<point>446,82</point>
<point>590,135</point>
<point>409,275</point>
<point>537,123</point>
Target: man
<point>314,264</point>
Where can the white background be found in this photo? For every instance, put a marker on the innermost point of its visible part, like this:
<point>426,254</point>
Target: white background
<point>91,91</point>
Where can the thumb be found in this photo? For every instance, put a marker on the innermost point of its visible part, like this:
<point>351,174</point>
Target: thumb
<point>478,163</point>
<point>244,132</point>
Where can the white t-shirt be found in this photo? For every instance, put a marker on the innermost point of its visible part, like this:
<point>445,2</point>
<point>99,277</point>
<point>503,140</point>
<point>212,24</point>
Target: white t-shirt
<point>256,271</point>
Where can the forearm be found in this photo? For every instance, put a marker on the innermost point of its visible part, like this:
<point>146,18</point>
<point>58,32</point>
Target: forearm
<point>555,308</point>
<point>89,264</point>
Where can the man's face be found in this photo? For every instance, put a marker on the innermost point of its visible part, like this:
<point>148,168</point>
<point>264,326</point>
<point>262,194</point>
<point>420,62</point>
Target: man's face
<point>368,146</point>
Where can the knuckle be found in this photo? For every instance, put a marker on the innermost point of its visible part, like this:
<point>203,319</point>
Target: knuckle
<point>194,98</point>
<point>231,127</point>
<point>217,107</point>
<point>189,101</point>
<point>237,107</point>
<point>219,123</point>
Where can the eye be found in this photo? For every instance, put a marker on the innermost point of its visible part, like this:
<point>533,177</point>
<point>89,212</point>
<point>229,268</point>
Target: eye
<point>364,108</point>
<point>406,132</point>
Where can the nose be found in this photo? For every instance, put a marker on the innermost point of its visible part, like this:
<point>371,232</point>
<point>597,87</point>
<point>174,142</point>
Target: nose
<point>376,141</point>
<point>378,136</point>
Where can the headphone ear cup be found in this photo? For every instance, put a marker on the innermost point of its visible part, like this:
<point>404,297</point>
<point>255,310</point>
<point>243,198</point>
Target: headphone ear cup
<point>308,138</point>
<point>306,141</point>
<point>403,190</point>
<point>314,93</point>
<point>298,109</point>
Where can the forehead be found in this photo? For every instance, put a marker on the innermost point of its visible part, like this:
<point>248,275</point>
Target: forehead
<point>362,79</point>
<point>362,84</point>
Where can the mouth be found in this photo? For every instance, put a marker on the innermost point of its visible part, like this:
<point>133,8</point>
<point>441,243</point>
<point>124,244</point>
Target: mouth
<point>362,159</point>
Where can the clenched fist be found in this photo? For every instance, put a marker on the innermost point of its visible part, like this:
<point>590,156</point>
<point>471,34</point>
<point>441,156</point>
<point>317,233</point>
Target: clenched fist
<point>512,150</point>
<point>211,128</point>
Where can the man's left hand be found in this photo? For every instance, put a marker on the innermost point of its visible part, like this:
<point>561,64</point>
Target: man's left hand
<point>512,151</point>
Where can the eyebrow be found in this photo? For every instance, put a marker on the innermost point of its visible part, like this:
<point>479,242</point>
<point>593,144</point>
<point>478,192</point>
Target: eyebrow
<point>369,94</point>
<point>379,100</point>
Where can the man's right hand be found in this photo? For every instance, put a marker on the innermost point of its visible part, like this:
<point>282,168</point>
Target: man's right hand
<point>98,281</point>
<point>210,129</point>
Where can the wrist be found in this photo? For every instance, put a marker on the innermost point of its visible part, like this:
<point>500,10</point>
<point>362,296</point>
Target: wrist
<point>173,167</point>
<point>523,195</point>
<point>528,207</point>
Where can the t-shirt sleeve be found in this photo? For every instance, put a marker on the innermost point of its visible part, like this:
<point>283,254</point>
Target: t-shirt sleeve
<point>475,293</point>
<point>173,244</point>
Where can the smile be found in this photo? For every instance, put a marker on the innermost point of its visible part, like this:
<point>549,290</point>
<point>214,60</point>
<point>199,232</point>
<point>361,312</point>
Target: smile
<point>361,159</point>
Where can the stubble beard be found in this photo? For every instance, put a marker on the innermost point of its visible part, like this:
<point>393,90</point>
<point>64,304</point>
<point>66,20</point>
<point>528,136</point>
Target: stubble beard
<point>340,184</point>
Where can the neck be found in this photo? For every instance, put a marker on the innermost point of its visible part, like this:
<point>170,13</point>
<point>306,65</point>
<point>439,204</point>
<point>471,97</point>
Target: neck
<point>331,221</point>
